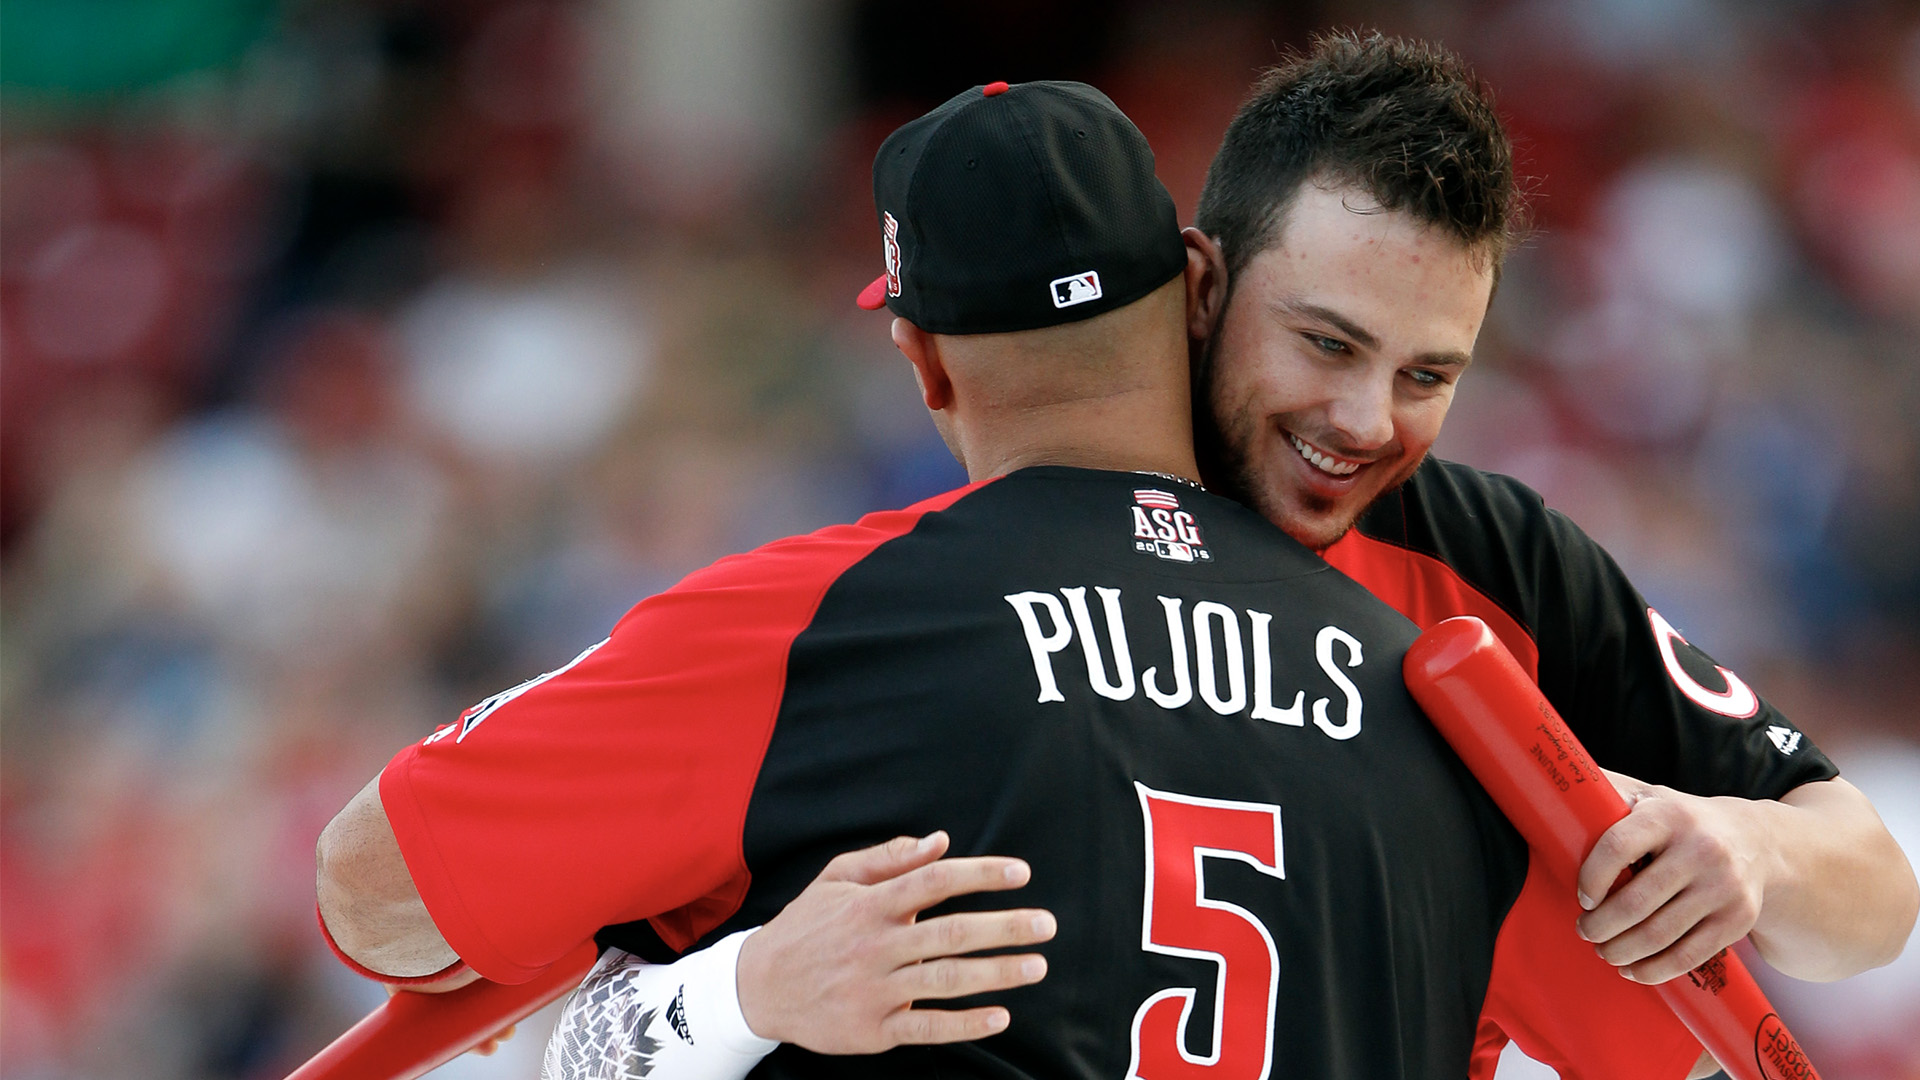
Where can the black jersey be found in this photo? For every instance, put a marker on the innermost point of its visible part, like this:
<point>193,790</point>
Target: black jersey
<point>1641,698</point>
<point>1261,855</point>
<point>1457,541</point>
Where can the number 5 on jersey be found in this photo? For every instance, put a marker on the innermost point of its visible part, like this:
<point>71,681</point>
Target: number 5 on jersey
<point>1183,831</point>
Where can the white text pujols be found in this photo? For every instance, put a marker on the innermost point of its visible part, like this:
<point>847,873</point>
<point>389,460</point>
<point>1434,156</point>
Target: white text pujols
<point>1210,644</point>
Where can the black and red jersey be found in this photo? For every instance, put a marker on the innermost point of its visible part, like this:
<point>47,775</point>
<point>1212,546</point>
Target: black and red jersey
<point>1263,859</point>
<point>1645,701</point>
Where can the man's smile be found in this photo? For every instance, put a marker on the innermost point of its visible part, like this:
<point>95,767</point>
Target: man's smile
<point>1323,460</point>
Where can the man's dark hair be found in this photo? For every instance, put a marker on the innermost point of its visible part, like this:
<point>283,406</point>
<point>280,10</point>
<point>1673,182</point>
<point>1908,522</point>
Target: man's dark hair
<point>1406,121</point>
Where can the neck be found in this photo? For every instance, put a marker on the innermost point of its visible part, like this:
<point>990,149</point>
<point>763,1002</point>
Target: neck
<point>1142,431</point>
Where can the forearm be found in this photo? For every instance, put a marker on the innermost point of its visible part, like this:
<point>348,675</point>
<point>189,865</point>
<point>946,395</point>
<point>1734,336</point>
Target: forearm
<point>1840,895</point>
<point>367,899</point>
<point>682,1020</point>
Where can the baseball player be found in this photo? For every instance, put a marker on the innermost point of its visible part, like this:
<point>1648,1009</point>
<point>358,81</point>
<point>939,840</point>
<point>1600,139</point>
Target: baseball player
<point>1326,378</point>
<point>1346,247</point>
<point>1083,660</point>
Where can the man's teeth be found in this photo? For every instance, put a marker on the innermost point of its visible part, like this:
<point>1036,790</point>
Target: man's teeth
<point>1324,463</point>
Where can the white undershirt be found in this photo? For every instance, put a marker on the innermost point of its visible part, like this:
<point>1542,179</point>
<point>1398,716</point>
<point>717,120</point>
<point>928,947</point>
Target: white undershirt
<point>681,1021</point>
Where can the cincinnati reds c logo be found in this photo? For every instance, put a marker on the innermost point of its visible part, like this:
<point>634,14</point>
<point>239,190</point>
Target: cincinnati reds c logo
<point>1738,700</point>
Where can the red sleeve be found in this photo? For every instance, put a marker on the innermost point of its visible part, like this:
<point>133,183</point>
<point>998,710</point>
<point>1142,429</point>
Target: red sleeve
<point>616,788</point>
<point>1566,1007</point>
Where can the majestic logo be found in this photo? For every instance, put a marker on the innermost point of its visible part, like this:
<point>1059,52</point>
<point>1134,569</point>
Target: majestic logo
<point>1785,739</point>
<point>890,237</point>
<point>1076,289</point>
<point>1161,528</point>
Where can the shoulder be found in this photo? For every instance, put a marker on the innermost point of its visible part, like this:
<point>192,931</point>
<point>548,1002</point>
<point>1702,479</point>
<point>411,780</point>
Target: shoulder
<point>1492,530</point>
<point>1457,540</point>
<point>1445,502</point>
<point>770,580</point>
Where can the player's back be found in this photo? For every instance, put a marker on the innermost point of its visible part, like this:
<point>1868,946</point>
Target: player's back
<point>1260,854</point>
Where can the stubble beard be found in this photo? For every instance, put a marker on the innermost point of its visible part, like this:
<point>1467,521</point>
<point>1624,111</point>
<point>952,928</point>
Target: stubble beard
<point>1228,467</point>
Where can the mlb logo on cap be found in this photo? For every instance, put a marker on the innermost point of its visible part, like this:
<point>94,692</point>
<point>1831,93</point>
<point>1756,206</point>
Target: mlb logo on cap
<point>1076,289</point>
<point>996,206</point>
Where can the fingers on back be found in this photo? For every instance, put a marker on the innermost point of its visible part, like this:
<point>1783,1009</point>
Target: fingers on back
<point>924,1027</point>
<point>885,862</point>
<point>928,885</point>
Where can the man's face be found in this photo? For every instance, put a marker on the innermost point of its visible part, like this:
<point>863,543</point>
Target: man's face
<point>1336,357</point>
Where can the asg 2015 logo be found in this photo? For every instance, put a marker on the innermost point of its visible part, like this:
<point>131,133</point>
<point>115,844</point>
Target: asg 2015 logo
<point>1161,528</point>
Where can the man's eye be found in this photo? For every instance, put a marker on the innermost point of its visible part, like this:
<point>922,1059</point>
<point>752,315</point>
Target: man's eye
<point>1425,378</point>
<point>1327,344</point>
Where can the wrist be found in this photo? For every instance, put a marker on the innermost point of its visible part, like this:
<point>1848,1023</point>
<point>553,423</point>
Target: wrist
<point>1767,823</point>
<point>713,992</point>
<point>750,974</point>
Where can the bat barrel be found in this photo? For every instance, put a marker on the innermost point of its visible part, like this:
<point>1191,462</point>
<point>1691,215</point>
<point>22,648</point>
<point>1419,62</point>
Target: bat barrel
<point>413,1033</point>
<point>1523,753</point>
<point>1500,724</point>
<point>1730,1015</point>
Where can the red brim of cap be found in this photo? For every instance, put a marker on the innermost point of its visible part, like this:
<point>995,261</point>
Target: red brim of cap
<point>874,296</point>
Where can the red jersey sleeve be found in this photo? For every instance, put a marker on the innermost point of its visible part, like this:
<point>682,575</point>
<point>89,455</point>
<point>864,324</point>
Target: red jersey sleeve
<point>616,788</point>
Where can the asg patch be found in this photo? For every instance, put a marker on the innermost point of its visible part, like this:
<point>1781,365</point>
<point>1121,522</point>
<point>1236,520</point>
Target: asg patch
<point>890,238</point>
<point>1076,289</point>
<point>1162,529</point>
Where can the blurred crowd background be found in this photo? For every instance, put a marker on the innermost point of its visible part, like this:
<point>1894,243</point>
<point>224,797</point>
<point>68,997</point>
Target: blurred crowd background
<point>364,357</point>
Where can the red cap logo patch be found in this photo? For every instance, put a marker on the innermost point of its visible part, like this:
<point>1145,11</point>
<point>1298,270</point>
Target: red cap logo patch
<point>890,236</point>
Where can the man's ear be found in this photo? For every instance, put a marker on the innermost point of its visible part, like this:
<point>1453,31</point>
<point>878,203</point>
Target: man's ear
<point>1206,283</point>
<point>936,388</point>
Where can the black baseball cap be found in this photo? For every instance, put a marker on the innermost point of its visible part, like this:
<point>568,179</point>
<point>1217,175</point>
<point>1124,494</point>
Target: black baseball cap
<point>1016,207</point>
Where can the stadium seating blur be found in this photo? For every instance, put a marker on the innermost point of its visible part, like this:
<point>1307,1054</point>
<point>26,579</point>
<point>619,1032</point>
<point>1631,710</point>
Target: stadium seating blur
<point>360,358</point>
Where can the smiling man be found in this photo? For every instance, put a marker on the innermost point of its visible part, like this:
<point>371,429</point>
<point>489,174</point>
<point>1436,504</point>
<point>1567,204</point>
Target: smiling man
<point>1083,663</point>
<point>1346,250</point>
<point>1305,422</point>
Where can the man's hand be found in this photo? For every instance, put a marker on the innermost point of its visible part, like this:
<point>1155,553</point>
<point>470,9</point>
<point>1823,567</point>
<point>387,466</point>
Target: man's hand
<point>492,1043</point>
<point>839,969</point>
<point>1701,891</point>
<point>1814,876</point>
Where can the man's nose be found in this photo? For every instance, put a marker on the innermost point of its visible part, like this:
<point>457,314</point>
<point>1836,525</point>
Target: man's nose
<point>1362,412</point>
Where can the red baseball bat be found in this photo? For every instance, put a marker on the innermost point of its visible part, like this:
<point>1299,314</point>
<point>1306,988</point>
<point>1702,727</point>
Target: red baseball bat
<point>1500,724</point>
<point>413,1033</point>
